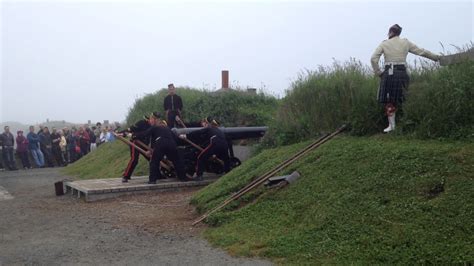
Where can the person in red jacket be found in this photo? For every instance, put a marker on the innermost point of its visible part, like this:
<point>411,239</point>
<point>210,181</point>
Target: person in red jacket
<point>83,141</point>
<point>22,149</point>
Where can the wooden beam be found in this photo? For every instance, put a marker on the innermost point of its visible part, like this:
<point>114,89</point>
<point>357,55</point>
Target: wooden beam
<point>457,58</point>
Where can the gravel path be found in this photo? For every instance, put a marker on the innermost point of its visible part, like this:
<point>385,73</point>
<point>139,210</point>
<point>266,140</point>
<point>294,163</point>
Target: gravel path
<point>36,227</point>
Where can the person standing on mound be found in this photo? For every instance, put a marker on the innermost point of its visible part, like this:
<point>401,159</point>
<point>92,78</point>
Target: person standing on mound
<point>394,78</point>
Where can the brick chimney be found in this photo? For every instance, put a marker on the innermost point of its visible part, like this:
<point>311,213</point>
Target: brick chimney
<point>225,79</point>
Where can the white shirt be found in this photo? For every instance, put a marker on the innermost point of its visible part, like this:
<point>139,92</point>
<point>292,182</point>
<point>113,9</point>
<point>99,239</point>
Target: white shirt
<point>395,51</point>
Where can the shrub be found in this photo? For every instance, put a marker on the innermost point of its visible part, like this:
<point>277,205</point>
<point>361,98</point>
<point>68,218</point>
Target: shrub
<point>232,108</point>
<point>439,104</point>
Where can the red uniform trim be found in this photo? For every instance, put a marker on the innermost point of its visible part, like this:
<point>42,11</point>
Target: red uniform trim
<point>130,162</point>
<point>199,156</point>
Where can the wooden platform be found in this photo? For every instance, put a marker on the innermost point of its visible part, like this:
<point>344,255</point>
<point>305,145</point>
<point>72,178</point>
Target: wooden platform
<point>98,189</point>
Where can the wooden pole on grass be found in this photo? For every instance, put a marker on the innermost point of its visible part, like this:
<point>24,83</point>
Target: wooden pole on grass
<point>270,173</point>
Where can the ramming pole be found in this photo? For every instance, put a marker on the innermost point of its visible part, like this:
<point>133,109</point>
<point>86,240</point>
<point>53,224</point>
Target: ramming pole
<point>270,173</point>
<point>143,152</point>
<point>126,141</point>
<point>201,149</point>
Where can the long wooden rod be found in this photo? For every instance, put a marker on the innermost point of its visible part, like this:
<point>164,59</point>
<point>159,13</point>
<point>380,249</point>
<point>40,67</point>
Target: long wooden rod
<point>126,141</point>
<point>275,170</point>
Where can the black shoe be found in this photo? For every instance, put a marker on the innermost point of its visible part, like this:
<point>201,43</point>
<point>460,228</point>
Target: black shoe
<point>151,182</point>
<point>199,178</point>
<point>124,180</point>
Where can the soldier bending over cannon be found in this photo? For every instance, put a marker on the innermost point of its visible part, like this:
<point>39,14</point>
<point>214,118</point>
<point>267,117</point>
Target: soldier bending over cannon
<point>217,145</point>
<point>139,126</point>
<point>163,142</point>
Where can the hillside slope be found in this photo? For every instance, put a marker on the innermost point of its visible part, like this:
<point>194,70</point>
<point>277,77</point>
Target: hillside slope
<point>109,160</point>
<point>359,200</point>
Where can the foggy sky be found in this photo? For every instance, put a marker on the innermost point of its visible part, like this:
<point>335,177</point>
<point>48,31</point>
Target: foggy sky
<point>80,61</point>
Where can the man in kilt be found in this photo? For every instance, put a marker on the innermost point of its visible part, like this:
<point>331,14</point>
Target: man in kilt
<point>394,78</point>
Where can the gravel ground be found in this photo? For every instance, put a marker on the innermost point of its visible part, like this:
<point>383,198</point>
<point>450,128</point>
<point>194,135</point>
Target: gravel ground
<point>36,227</point>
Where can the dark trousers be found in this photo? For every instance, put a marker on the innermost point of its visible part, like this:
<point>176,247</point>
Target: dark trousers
<point>218,148</point>
<point>70,154</point>
<point>165,147</point>
<point>57,155</point>
<point>171,119</point>
<point>64,155</point>
<point>132,163</point>
<point>8,157</point>
<point>48,156</point>
<point>25,161</point>
<point>85,148</point>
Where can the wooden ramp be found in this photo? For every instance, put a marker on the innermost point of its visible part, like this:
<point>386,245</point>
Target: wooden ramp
<point>98,189</point>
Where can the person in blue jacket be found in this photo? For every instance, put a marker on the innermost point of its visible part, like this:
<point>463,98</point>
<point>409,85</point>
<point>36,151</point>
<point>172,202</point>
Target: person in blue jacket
<point>33,146</point>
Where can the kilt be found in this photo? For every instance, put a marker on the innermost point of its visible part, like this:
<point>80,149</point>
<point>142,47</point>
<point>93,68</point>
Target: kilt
<point>393,88</point>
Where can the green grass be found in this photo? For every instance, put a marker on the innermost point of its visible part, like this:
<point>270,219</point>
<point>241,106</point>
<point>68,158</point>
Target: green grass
<point>109,160</point>
<point>438,106</point>
<point>359,200</point>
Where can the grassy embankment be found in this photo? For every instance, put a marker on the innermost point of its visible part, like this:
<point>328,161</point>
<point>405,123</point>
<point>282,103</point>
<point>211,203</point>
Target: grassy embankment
<point>108,161</point>
<point>358,200</point>
<point>362,199</point>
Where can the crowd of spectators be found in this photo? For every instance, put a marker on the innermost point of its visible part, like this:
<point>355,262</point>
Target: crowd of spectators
<point>50,148</point>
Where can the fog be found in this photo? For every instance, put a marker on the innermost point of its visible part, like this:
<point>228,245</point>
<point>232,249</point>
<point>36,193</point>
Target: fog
<point>79,61</point>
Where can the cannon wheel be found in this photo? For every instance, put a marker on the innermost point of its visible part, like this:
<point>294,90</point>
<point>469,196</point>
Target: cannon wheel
<point>167,173</point>
<point>215,167</point>
<point>234,162</point>
<point>190,169</point>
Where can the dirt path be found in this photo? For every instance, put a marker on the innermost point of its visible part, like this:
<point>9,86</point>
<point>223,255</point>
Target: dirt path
<point>37,227</point>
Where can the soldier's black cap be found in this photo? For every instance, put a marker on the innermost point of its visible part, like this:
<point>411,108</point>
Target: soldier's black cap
<point>211,120</point>
<point>156,115</point>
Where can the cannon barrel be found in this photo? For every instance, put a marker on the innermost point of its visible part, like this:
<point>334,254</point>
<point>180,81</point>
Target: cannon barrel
<point>232,133</point>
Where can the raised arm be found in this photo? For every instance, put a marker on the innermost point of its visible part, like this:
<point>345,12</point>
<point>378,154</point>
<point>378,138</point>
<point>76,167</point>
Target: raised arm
<point>412,48</point>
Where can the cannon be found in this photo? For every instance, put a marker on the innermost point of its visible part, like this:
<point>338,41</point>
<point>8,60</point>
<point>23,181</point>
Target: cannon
<point>189,150</point>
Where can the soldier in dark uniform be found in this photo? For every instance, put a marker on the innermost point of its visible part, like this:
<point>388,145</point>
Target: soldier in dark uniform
<point>217,145</point>
<point>173,106</point>
<point>140,126</point>
<point>163,142</point>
